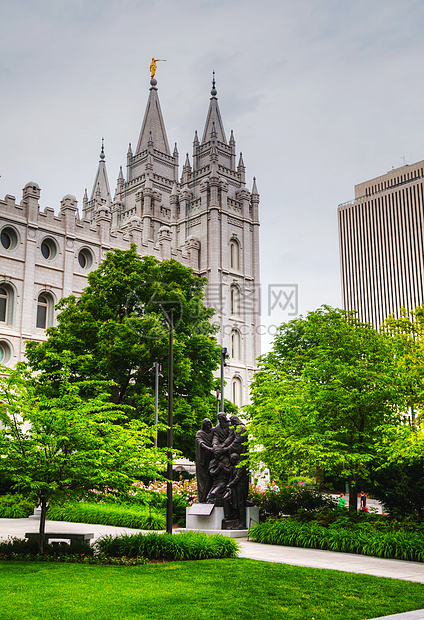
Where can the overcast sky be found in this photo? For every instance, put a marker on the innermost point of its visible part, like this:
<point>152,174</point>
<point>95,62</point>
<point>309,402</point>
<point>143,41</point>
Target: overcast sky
<point>321,95</point>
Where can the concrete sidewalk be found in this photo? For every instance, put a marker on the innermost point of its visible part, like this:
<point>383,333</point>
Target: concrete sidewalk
<point>313,558</point>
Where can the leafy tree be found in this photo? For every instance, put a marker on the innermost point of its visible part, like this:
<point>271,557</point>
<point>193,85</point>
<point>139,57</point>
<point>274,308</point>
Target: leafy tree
<point>61,446</point>
<point>117,330</point>
<point>321,394</point>
<point>408,336</point>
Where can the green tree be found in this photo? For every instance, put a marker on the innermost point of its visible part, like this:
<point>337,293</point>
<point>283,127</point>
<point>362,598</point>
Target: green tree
<point>408,335</point>
<point>59,447</point>
<point>321,393</point>
<point>117,330</point>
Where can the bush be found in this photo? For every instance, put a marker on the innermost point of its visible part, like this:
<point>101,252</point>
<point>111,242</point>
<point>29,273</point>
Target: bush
<point>20,546</point>
<point>288,500</point>
<point>15,507</point>
<point>154,546</point>
<point>400,488</point>
<point>348,537</point>
<point>121,515</point>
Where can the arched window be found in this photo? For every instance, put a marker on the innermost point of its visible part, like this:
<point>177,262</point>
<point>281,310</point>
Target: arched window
<point>235,345</point>
<point>45,307</point>
<point>234,254</point>
<point>6,352</point>
<point>235,301</point>
<point>7,298</point>
<point>237,391</point>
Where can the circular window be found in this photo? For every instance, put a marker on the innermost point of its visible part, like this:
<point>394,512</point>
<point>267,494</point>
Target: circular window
<point>9,238</point>
<point>48,248</point>
<point>5,352</point>
<point>85,258</point>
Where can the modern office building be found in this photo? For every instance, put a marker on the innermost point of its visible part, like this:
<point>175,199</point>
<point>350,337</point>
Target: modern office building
<point>382,246</point>
<point>205,218</point>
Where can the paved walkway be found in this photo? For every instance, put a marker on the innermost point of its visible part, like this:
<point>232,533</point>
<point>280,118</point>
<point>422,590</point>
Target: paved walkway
<point>314,558</point>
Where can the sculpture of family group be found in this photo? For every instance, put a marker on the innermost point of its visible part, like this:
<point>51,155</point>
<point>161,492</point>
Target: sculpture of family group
<point>222,479</point>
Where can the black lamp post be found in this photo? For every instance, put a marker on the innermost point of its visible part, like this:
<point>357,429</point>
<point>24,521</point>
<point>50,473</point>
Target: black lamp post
<point>169,474</point>
<point>224,356</point>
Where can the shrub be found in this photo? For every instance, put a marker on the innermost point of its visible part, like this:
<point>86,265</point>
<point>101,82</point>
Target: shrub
<point>154,546</point>
<point>15,507</point>
<point>400,488</point>
<point>121,515</point>
<point>288,500</point>
<point>346,537</point>
<point>20,546</point>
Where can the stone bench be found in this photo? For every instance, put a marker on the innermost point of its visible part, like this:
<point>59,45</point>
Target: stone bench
<point>73,538</point>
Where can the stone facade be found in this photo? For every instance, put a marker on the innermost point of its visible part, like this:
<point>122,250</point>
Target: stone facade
<point>205,218</point>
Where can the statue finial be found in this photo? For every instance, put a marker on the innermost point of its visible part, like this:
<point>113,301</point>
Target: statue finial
<point>102,152</point>
<point>153,66</point>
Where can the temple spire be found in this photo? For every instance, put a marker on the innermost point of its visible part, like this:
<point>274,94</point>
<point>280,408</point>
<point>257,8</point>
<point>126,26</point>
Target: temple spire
<point>213,120</point>
<point>101,188</point>
<point>153,127</point>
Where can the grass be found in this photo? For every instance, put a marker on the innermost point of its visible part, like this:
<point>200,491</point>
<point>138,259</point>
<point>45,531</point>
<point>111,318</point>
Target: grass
<point>220,589</point>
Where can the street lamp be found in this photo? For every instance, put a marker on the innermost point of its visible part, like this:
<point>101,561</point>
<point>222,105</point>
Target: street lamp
<point>157,368</point>
<point>169,319</point>
<point>217,392</point>
<point>224,355</point>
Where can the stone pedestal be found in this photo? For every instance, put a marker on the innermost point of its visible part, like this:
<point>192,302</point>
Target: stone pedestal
<point>208,518</point>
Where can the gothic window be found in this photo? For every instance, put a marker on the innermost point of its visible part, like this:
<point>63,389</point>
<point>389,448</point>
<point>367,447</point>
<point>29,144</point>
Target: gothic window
<point>234,254</point>
<point>235,301</point>
<point>235,345</point>
<point>6,303</point>
<point>44,311</point>
<point>237,391</point>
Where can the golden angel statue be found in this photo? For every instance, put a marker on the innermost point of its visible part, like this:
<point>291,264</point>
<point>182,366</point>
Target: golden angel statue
<point>153,66</point>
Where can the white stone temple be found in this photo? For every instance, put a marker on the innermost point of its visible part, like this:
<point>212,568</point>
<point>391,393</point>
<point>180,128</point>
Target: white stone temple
<point>204,217</point>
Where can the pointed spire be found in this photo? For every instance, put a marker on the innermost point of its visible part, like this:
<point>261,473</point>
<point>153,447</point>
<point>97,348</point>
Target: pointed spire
<point>101,188</point>
<point>254,188</point>
<point>241,170</point>
<point>85,199</point>
<point>175,153</point>
<point>129,152</point>
<point>232,142</point>
<point>196,139</point>
<point>153,124</point>
<point>214,117</point>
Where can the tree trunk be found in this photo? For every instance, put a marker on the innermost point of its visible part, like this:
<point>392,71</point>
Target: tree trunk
<point>353,494</point>
<point>42,529</point>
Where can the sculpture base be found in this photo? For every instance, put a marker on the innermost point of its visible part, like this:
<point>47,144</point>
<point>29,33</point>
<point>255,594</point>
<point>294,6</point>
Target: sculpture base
<point>230,533</point>
<point>210,519</point>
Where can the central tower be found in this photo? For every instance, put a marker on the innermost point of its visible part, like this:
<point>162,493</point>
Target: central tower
<point>206,212</point>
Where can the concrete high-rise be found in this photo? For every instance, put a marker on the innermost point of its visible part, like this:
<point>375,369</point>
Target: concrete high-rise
<point>382,245</point>
<point>205,218</point>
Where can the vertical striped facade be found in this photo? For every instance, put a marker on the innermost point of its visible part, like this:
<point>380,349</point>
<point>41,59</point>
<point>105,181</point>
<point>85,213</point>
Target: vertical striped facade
<point>381,245</point>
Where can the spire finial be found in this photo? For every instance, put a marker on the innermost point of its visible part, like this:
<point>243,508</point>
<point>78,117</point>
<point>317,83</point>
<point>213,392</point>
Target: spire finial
<point>102,152</point>
<point>214,92</point>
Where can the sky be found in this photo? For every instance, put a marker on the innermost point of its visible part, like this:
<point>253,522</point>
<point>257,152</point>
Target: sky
<point>321,95</point>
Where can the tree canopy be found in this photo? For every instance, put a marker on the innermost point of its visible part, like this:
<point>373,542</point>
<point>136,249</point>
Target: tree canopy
<point>117,331</point>
<point>60,446</point>
<point>322,393</point>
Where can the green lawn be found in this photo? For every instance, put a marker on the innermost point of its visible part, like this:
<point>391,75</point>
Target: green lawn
<point>210,589</point>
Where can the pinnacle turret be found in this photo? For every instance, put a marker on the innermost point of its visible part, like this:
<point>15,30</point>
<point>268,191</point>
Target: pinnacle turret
<point>101,190</point>
<point>214,118</point>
